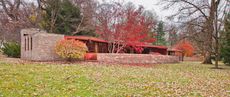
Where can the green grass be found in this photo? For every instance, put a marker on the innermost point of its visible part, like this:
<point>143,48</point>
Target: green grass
<point>184,79</point>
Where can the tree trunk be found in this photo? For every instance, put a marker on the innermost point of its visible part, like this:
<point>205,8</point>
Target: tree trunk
<point>210,30</point>
<point>217,45</point>
<point>216,35</point>
<point>207,59</point>
<point>217,61</point>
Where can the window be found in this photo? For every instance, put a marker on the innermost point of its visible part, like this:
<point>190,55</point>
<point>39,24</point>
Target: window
<point>28,42</point>
<point>25,44</point>
<point>31,43</point>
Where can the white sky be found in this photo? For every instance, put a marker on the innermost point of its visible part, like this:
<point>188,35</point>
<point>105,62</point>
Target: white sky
<point>150,5</point>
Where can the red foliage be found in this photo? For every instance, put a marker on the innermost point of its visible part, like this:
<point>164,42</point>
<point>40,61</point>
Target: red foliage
<point>90,56</point>
<point>124,27</point>
<point>138,49</point>
<point>186,47</point>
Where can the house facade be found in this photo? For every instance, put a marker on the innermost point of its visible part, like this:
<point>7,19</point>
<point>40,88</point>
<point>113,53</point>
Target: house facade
<point>96,45</point>
<point>38,45</point>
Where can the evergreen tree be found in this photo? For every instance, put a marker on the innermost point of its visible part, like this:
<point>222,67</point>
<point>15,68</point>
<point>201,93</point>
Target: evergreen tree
<point>61,17</point>
<point>226,41</point>
<point>160,40</point>
<point>87,33</point>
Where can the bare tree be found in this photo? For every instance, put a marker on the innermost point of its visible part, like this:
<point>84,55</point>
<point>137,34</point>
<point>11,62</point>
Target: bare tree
<point>206,17</point>
<point>15,15</point>
<point>88,9</point>
<point>123,25</point>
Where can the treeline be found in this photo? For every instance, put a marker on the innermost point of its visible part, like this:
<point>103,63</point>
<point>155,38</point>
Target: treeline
<point>203,23</point>
<point>69,17</point>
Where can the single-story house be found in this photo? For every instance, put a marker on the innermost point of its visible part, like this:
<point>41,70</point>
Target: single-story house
<point>176,52</point>
<point>97,45</point>
<point>37,45</point>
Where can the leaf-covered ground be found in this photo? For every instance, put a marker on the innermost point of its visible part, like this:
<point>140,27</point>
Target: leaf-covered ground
<point>184,79</point>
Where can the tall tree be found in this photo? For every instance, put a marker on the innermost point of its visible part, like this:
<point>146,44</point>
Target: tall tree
<point>226,41</point>
<point>61,16</point>
<point>206,14</point>
<point>151,15</point>
<point>88,11</point>
<point>123,26</point>
<point>172,34</point>
<point>160,37</point>
<point>14,16</point>
<point>82,19</point>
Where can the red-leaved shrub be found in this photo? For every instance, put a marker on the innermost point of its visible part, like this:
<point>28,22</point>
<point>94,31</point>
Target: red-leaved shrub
<point>186,47</point>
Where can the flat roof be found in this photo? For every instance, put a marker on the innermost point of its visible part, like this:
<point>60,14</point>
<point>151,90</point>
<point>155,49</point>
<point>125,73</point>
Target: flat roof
<point>86,38</point>
<point>153,46</point>
<point>104,41</point>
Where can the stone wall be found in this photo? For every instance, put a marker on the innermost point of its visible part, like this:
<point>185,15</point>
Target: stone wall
<point>137,58</point>
<point>195,58</point>
<point>38,45</point>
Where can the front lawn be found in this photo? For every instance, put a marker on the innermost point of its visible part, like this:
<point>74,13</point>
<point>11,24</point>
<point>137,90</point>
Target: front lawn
<point>184,79</point>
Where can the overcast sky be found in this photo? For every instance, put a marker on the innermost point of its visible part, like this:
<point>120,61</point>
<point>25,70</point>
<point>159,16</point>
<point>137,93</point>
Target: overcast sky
<point>150,5</point>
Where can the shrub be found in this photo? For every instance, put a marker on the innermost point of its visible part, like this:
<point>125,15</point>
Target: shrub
<point>185,46</point>
<point>11,49</point>
<point>71,49</point>
<point>91,56</point>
